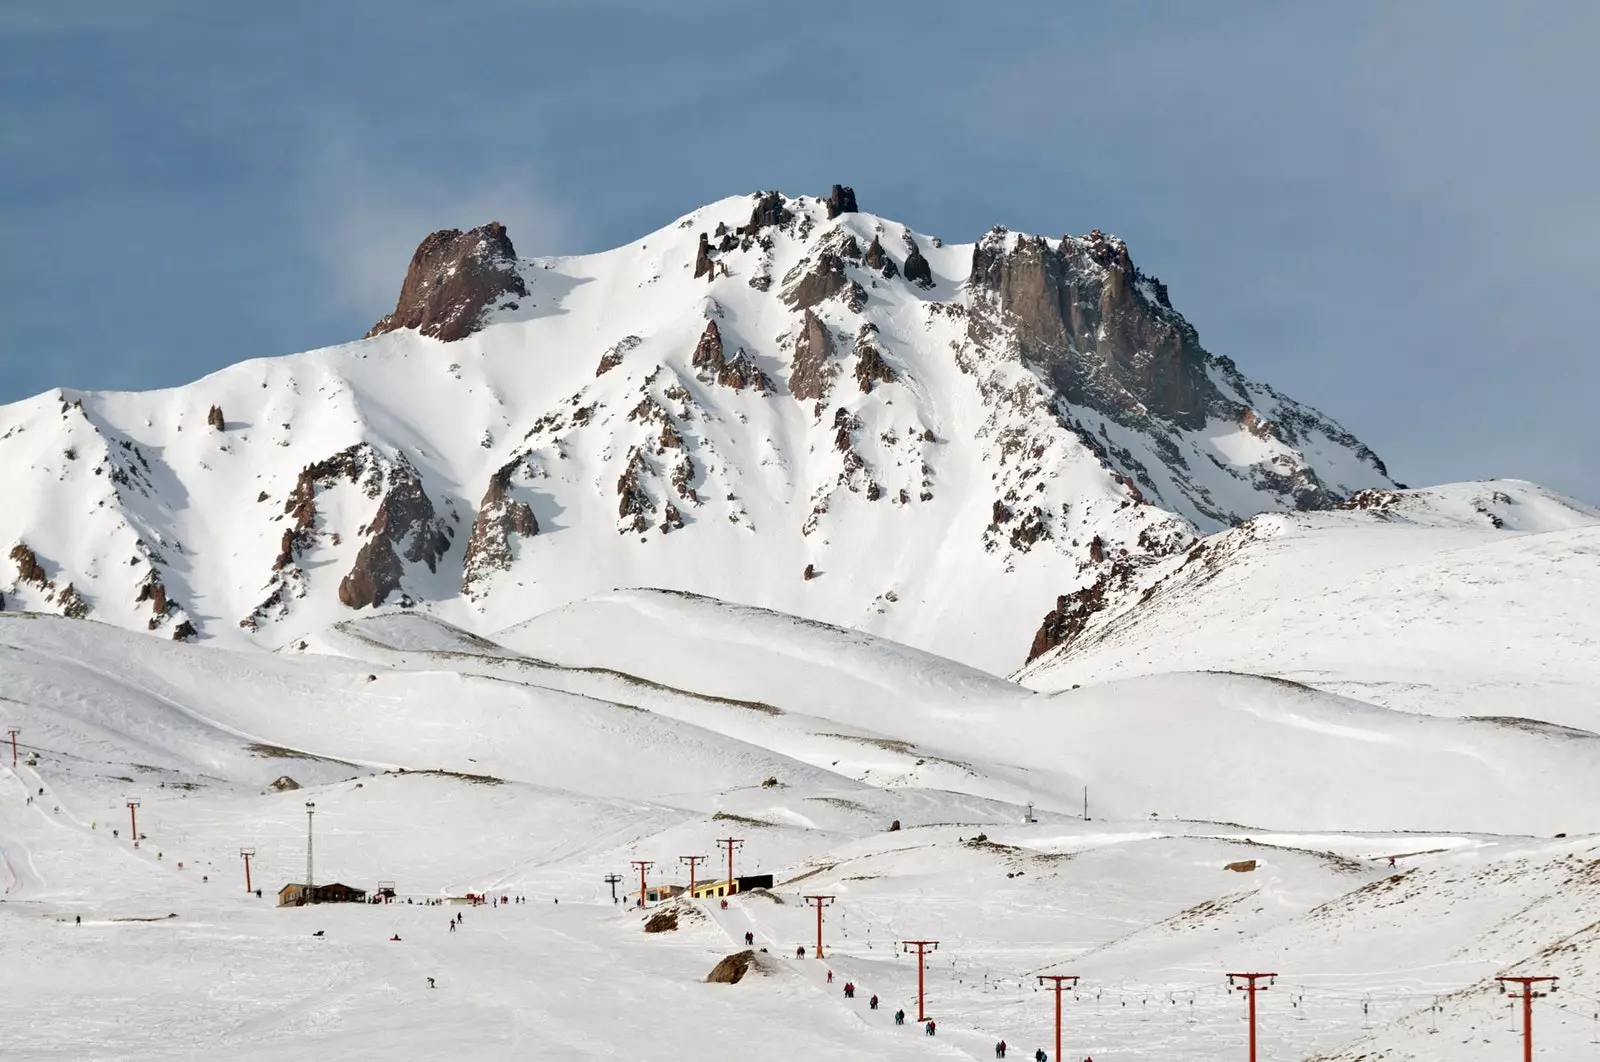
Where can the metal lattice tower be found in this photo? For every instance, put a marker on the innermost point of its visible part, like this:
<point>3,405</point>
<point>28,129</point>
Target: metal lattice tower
<point>311,809</point>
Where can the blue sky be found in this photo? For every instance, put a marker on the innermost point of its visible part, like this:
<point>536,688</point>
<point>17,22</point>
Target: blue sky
<point>1388,210</point>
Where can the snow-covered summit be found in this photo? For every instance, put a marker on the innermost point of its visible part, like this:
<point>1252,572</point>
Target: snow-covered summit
<point>778,400</point>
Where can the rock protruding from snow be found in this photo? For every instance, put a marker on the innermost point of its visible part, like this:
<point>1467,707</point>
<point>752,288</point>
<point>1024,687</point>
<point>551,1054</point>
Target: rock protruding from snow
<point>405,525</point>
<point>499,517</point>
<point>812,371</point>
<point>454,279</point>
<point>31,571</point>
<point>870,366</point>
<point>877,258</point>
<point>1080,316</point>
<point>738,372</point>
<point>917,270</point>
<point>841,200</point>
<point>214,418</point>
<point>768,211</point>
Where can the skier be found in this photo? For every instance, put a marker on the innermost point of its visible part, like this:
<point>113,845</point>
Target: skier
<point>452,925</point>
<point>1391,861</point>
<point>849,990</point>
<point>873,1003</point>
<point>430,983</point>
<point>800,952</point>
<point>395,937</point>
<point>1040,1056</point>
<point>77,920</point>
<point>930,1026</point>
<point>749,938</point>
<point>1000,1049</point>
<point>900,1017</point>
<point>830,977</point>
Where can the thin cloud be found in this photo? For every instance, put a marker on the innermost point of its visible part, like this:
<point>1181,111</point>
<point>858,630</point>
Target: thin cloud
<point>366,216</point>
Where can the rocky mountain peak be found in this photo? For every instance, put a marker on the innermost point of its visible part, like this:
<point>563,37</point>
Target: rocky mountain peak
<point>454,278</point>
<point>1090,322</point>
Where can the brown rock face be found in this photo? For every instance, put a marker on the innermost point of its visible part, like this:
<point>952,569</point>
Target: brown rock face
<point>917,270</point>
<point>1079,315</point>
<point>769,210</point>
<point>826,278</point>
<point>28,567</point>
<point>737,372</point>
<point>404,525</point>
<point>842,200</point>
<point>214,418</point>
<point>375,576</point>
<point>702,257</point>
<point>812,370</point>
<point>499,517</point>
<point>454,277</point>
<point>1073,611</point>
<point>870,366</point>
<point>877,258</point>
<point>184,632</point>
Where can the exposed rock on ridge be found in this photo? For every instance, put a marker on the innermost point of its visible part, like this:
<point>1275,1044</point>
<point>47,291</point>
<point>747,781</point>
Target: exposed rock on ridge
<point>454,278</point>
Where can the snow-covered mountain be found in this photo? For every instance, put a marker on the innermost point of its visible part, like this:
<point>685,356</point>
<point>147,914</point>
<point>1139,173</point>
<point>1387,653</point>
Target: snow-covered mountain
<point>1471,599</point>
<point>781,401</point>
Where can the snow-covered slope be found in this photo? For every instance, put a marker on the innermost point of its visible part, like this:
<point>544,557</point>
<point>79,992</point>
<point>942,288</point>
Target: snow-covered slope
<point>775,400</point>
<point>1464,600</point>
<point>646,726</point>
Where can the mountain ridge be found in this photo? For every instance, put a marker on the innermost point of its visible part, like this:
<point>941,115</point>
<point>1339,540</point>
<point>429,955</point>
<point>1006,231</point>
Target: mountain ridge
<point>928,441</point>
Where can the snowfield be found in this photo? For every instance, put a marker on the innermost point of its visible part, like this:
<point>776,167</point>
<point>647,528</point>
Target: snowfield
<point>645,725</point>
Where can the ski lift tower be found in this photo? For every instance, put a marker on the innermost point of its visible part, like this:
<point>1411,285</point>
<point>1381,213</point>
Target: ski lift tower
<point>1028,818</point>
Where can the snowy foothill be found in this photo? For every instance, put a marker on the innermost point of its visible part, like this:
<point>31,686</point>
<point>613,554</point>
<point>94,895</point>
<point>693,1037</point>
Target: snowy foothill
<point>1234,823</point>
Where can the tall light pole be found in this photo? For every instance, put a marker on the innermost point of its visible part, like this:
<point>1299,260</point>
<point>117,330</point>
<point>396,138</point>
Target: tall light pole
<point>1058,979</point>
<point>819,902</point>
<point>612,879</point>
<point>247,853</point>
<point>133,818</point>
<point>311,809</point>
<point>13,731</point>
<point>1527,995</point>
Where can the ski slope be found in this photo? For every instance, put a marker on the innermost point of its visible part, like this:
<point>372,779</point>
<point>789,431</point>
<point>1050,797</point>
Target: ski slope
<point>647,725</point>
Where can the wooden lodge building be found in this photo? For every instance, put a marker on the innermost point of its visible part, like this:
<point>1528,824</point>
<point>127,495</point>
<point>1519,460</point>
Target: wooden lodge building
<point>298,895</point>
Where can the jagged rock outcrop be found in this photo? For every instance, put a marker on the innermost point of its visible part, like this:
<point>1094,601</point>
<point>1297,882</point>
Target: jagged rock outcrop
<point>214,418</point>
<point>499,517</point>
<point>707,358</point>
<point>1072,612</point>
<point>404,525</point>
<point>842,200</point>
<point>738,372</point>
<point>633,501</point>
<point>917,270</point>
<point>812,370</point>
<point>702,257</point>
<point>877,258</point>
<point>1081,317</point>
<point>30,570</point>
<point>769,210</point>
<point>823,280</point>
<point>185,632</point>
<point>870,366</point>
<point>454,278</point>
<point>375,576</point>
